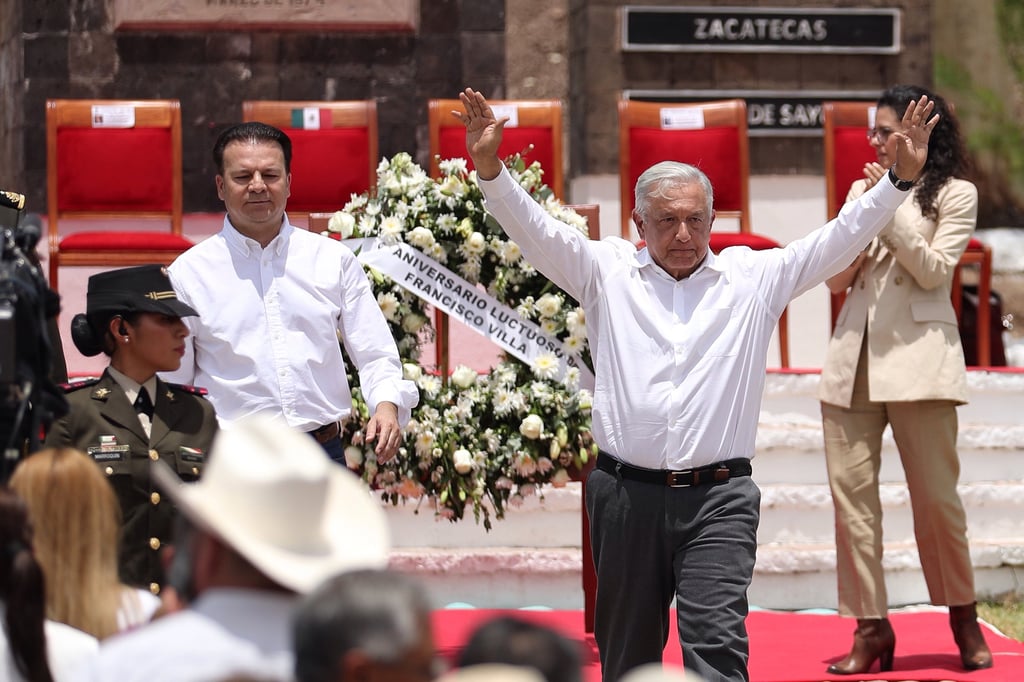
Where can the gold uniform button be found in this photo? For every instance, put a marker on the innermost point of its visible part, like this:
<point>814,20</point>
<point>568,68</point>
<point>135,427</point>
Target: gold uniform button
<point>154,543</point>
<point>898,280</point>
<point>154,455</point>
<point>109,470</point>
<point>195,471</point>
<point>154,588</point>
<point>154,498</point>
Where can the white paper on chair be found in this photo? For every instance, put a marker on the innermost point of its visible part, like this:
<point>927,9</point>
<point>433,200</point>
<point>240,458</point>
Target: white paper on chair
<point>510,110</point>
<point>681,119</point>
<point>113,116</point>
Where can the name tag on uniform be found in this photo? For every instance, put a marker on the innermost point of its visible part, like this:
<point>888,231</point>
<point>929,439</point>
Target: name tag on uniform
<point>191,455</point>
<point>108,453</point>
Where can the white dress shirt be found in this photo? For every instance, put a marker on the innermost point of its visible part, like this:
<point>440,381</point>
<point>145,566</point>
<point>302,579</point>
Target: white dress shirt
<point>680,365</point>
<point>224,631</point>
<point>266,339</point>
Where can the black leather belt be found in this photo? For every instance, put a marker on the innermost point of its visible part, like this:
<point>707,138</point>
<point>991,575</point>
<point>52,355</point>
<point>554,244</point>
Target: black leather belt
<point>684,478</point>
<point>327,432</point>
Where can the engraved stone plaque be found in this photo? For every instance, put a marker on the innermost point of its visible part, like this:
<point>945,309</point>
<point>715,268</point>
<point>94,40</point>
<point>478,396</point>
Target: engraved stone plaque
<point>277,15</point>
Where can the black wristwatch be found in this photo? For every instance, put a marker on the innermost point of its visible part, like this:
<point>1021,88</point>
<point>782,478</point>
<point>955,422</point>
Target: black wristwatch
<point>902,185</point>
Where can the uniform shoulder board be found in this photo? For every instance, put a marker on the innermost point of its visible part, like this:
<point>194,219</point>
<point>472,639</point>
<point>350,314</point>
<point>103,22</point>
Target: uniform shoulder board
<point>75,385</point>
<point>194,390</point>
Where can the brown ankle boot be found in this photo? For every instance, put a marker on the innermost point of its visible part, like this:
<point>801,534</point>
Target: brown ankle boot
<point>974,653</point>
<point>872,640</point>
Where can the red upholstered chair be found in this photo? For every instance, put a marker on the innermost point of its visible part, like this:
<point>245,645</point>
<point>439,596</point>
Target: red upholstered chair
<point>533,122</point>
<point>334,149</point>
<point>113,159</point>
<point>709,135</point>
<point>846,151</point>
<point>534,129</point>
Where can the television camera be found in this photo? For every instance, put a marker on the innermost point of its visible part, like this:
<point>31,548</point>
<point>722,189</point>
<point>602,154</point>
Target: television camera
<point>29,400</point>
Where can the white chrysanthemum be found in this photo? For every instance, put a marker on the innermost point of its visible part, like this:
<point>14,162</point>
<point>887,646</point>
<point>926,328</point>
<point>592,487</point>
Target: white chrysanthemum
<point>454,166</point>
<point>545,366</point>
<point>470,269</point>
<point>550,327</point>
<point>549,305</point>
<point>526,308</point>
<point>424,443</point>
<point>391,229</point>
<point>388,303</point>
<point>509,253</point>
<point>438,253</point>
<point>429,384</point>
<point>503,402</point>
<point>373,208</point>
<point>475,244</point>
<point>367,224</point>
<point>419,205</point>
<point>446,223</point>
<point>574,344</point>
<point>575,320</point>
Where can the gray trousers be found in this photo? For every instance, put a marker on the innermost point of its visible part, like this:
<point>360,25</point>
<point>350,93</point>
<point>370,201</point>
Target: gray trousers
<point>652,543</point>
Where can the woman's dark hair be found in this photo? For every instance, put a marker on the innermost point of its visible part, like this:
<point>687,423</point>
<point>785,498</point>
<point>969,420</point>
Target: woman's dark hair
<point>22,589</point>
<point>252,132</point>
<point>91,333</point>
<point>947,155</point>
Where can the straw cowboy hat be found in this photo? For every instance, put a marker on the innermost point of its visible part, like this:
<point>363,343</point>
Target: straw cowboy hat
<point>273,495</point>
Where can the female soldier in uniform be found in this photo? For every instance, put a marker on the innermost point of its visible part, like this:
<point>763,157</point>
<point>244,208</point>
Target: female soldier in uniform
<point>128,417</point>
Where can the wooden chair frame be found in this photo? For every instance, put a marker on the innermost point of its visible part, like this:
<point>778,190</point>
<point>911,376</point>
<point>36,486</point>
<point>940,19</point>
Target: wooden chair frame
<point>531,114</point>
<point>841,165</point>
<point>343,114</point>
<point>63,114</point>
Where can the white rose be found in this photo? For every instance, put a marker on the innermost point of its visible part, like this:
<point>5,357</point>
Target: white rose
<point>463,461</point>
<point>463,376</point>
<point>421,237</point>
<point>342,223</point>
<point>411,371</point>
<point>353,457</point>
<point>476,244</point>
<point>532,427</point>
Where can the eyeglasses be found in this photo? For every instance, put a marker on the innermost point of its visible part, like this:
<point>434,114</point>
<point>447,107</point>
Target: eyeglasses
<point>881,133</point>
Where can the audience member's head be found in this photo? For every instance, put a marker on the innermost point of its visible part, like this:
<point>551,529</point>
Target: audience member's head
<point>272,512</point>
<point>492,672</point>
<point>22,591</point>
<point>77,521</point>
<point>516,641</point>
<point>364,626</point>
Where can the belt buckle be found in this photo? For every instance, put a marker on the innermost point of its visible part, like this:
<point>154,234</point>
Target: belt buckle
<point>672,479</point>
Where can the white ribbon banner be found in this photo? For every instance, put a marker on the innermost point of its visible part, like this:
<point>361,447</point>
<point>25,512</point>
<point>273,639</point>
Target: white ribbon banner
<point>432,282</point>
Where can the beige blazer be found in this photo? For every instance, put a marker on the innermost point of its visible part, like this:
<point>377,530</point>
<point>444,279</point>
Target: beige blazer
<point>901,299</point>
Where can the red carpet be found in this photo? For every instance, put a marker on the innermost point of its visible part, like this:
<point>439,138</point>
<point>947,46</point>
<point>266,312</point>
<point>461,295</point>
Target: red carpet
<point>789,647</point>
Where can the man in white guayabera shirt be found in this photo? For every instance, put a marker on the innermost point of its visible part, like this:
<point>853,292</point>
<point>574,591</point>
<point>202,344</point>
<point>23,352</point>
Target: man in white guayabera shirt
<point>679,338</point>
<point>277,298</point>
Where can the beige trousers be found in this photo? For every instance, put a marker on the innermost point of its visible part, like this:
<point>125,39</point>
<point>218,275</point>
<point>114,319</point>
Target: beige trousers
<point>925,433</point>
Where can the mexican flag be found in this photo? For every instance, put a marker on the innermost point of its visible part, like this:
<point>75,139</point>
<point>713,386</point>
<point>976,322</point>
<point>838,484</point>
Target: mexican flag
<point>311,118</point>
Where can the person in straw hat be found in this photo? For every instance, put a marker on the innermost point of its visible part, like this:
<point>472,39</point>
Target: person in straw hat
<point>129,417</point>
<point>270,520</point>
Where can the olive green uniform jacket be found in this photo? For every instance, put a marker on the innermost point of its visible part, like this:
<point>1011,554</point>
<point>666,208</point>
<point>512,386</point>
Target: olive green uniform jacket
<point>103,424</point>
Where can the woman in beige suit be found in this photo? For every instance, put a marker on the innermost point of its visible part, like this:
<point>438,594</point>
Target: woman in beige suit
<point>895,358</point>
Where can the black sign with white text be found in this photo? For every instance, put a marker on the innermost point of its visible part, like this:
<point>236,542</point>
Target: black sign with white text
<point>742,29</point>
<point>769,113</point>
